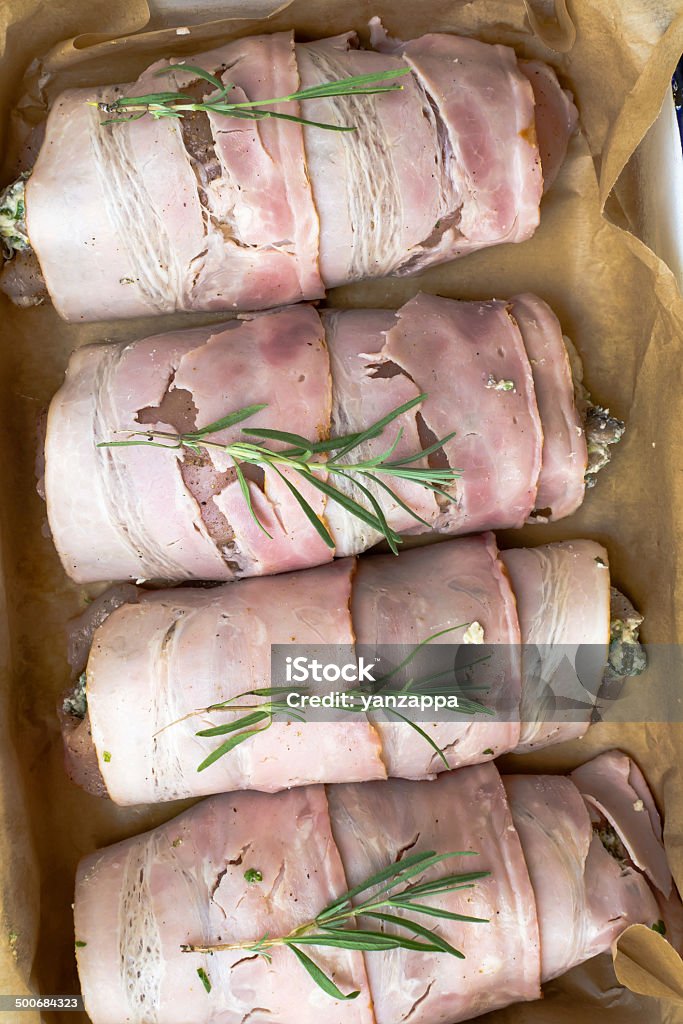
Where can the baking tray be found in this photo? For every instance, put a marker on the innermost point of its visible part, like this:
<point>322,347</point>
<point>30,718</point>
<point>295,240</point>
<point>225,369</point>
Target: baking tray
<point>616,298</point>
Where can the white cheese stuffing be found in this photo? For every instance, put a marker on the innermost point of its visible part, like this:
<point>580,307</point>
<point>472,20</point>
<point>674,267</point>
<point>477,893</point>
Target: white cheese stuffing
<point>13,234</point>
<point>474,634</point>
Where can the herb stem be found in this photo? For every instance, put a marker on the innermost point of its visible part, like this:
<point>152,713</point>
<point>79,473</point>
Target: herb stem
<point>240,730</point>
<point>315,462</point>
<point>177,104</point>
<point>336,925</point>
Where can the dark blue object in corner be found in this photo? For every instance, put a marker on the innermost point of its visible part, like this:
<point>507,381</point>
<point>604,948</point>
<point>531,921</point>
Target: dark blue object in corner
<point>677,83</point>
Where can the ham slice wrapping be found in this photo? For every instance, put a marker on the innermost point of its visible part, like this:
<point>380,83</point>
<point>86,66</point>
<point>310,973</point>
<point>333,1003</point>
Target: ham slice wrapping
<point>210,212</point>
<point>495,372</point>
<point>155,661</point>
<point>555,896</point>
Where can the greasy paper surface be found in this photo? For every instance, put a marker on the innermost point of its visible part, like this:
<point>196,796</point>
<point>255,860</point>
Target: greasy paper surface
<point>616,300</point>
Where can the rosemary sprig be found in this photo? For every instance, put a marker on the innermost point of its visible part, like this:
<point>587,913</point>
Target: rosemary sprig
<point>307,458</point>
<point>177,104</point>
<point>252,723</point>
<point>244,728</point>
<point>430,687</point>
<point>335,925</point>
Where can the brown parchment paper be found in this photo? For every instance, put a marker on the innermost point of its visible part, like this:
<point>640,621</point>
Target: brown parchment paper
<point>617,301</point>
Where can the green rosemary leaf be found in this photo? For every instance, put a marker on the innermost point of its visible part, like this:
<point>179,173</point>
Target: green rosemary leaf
<point>192,69</point>
<point>418,929</point>
<point>445,883</point>
<point>354,938</point>
<point>379,459</point>
<point>391,537</point>
<point>156,98</point>
<point>425,682</point>
<point>312,516</point>
<point>132,444</point>
<point>260,948</point>
<point>359,511</point>
<point>388,874</point>
<point>248,451</point>
<point>437,446</point>
<point>302,120</point>
<point>349,86</point>
<point>421,732</point>
<point>265,711</point>
<point>400,502</point>
<point>271,708</point>
<point>334,88</point>
<point>437,911</point>
<point>374,431</point>
<point>226,747</point>
<point>379,426</point>
<point>246,494</point>
<point>438,490</point>
<point>227,421</point>
<point>314,447</point>
<point>418,647</point>
<point>378,510</point>
<point>241,723</point>
<point>422,473</point>
<point>292,713</point>
<point>266,691</point>
<point>229,110</point>
<point>426,861</point>
<point>319,976</point>
<point>371,90</point>
<point>254,112</point>
<point>204,978</point>
<point>431,684</point>
<point>330,445</point>
<point>299,442</point>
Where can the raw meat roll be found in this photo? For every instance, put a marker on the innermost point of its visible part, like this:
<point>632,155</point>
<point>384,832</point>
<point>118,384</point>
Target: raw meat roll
<point>209,212</point>
<point>238,868</point>
<point>496,373</point>
<point>162,655</point>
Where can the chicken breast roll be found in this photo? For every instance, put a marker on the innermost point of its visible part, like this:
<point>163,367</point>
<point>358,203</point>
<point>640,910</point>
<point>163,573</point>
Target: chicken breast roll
<point>214,212</point>
<point>489,436</point>
<point>172,926</point>
<point>170,673</point>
